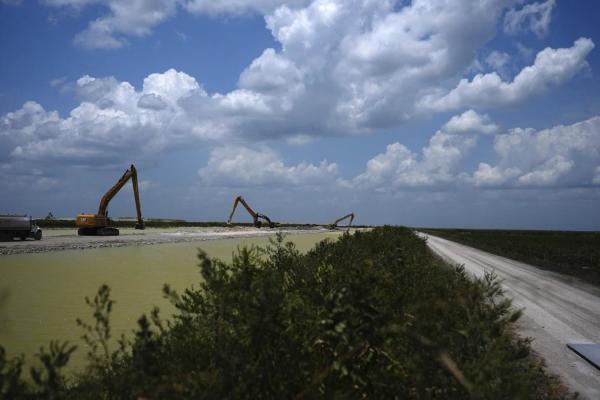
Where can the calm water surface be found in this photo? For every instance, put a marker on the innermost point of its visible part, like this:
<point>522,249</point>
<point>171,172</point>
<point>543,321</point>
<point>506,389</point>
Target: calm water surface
<point>46,291</point>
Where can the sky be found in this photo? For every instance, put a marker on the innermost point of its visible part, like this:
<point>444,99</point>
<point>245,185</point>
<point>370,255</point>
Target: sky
<point>436,113</point>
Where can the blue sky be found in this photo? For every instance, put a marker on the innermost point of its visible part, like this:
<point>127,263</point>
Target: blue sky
<point>479,113</point>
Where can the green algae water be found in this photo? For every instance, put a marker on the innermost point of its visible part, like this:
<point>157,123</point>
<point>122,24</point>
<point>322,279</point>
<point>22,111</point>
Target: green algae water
<point>45,291</point>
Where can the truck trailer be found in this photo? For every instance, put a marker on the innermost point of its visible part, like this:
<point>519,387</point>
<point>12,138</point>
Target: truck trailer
<point>18,226</point>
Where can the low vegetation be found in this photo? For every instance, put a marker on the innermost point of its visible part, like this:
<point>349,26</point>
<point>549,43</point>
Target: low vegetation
<point>571,253</point>
<point>370,315</point>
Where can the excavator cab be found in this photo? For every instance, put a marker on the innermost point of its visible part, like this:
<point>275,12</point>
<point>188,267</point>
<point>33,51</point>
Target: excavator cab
<point>256,217</point>
<point>98,224</point>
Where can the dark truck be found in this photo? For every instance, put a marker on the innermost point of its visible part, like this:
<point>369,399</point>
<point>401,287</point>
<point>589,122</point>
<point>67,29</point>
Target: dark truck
<point>20,226</point>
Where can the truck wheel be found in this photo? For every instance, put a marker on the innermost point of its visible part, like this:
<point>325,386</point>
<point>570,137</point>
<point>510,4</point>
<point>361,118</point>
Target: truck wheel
<point>22,237</point>
<point>37,235</point>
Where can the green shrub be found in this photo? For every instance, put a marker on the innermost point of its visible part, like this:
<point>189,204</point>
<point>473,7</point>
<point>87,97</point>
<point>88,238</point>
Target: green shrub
<point>371,315</point>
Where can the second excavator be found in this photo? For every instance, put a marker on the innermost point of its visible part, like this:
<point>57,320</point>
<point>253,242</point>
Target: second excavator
<point>334,225</point>
<point>255,216</point>
<point>98,224</point>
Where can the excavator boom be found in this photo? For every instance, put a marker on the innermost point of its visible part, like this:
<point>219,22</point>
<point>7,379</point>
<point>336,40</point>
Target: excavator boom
<point>256,217</point>
<point>97,224</point>
<point>334,225</point>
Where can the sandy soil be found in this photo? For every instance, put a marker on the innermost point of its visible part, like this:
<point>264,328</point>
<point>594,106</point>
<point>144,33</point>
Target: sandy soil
<point>556,310</point>
<point>63,239</point>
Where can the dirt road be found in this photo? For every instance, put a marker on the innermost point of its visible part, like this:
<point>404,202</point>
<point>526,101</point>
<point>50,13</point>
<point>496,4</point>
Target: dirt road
<point>556,310</point>
<point>67,239</point>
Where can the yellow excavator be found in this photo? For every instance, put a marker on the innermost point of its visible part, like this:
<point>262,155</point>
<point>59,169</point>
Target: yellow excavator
<point>97,224</point>
<point>255,216</point>
<point>334,225</point>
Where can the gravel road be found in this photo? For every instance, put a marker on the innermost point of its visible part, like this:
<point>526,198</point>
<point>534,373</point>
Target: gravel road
<point>68,239</point>
<point>556,310</point>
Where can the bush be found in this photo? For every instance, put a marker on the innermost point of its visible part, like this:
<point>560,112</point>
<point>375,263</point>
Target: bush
<point>371,315</point>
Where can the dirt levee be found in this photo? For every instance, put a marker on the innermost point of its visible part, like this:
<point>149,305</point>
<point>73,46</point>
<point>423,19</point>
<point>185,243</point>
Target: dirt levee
<point>67,239</point>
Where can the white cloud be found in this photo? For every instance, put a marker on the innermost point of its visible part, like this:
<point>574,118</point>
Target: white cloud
<point>125,18</point>
<point>58,82</point>
<point>471,122</point>
<point>534,16</point>
<point>561,156</point>
<point>486,175</point>
<point>137,18</point>
<point>384,168</point>
<point>152,101</point>
<point>71,3</point>
<point>558,157</point>
<point>499,62</point>
<point>242,166</point>
<point>551,68</point>
<point>548,173</point>
<point>237,7</point>
<point>345,68</point>
<point>271,72</point>
<point>113,122</point>
<point>437,166</point>
<point>497,59</point>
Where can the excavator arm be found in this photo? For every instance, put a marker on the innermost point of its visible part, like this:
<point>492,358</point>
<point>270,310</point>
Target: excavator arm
<point>96,224</point>
<point>256,217</point>
<point>334,225</point>
<point>131,173</point>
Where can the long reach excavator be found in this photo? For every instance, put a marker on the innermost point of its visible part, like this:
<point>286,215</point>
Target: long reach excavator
<point>255,216</point>
<point>97,224</point>
<point>334,225</point>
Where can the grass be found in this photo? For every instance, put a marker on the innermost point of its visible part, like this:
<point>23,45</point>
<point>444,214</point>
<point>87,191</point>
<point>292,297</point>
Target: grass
<point>370,315</point>
<point>571,253</point>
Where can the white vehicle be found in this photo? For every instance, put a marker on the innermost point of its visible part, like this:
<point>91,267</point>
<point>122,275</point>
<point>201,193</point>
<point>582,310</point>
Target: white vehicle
<point>20,226</point>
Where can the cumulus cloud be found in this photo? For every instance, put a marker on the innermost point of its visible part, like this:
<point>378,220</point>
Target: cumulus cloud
<point>561,156</point>
<point>113,121</point>
<point>344,68</point>
<point>437,165</point>
<point>551,68</point>
<point>137,18</point>
<point>497,59</point>
<point>241,166</point>
<point>535,17</point>
<point>486,175</point>
<point>471,122</point>
<point>557,157</point>
<point>152,101</point>
<point>237,7</point>
<point>125,18</point>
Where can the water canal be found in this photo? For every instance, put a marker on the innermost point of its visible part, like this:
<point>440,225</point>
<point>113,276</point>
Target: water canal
<point>44,292</point>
